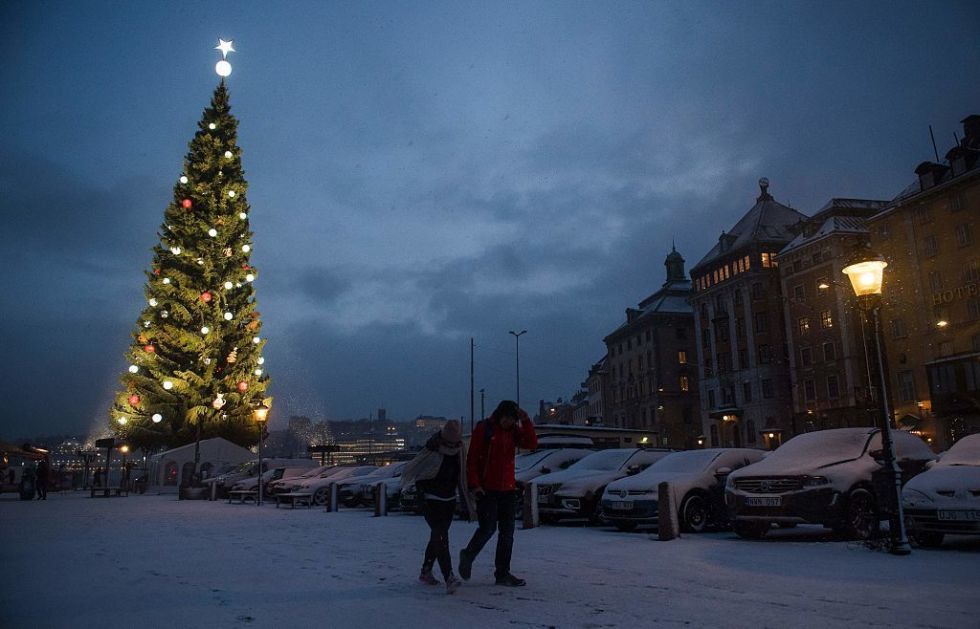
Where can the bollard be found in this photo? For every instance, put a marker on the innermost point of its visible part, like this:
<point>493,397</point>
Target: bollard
<point>666,513</point>
<point>380,500</point>
<point>214,491</point>
<point>332,495</point>
<point>532,517</point>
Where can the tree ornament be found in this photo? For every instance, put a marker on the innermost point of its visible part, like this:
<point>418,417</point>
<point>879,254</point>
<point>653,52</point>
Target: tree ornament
<point>183,179</point>
<point>218,401</point>
<point>253,325</point>
<point>156,271</point>
<point>258,372</point>
<point>246,248</point>
<point>249,277</point>
<point>206,297</point>
<point>146,324</point>
<point>122,421</point>
<point>229,316</point>
<point>229,285</point>
<point>207,361</point>
<point>152,301</point>
<point>133,369</point>
<point>245,267</point>
<point>157,418</point>
<point>166,280</point>
<point>228,252</point>
<point>228,155</point>
<point>142,338</point>
<point>231,193</point>
<point>164,314</point>
<point>187,204</point>
<point>134,400</point>
<point>149,349</point>
<point>175,251</point>
<point>212,232</point>
<point>256,340</point>
<point>205,330</point>
<point>261,360</point>
<point>167,384</point>
<point>242,215</point>
<point>243,386</point>
<point>212,126</point>
<point>232,356</point>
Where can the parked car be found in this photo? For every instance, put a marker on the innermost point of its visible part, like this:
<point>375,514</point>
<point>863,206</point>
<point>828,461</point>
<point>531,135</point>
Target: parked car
<point>249,469</point>
<point>277,486</point>
<point>273,474</point>
<point>822,477</point>
<point>320,485</point>
<point>409,499</point>
<point>351,488</point>
<point>575,492</point>
<point>946,498</point>
<point>392,492</point>
<point>697,484</point>
<point>527,467</point>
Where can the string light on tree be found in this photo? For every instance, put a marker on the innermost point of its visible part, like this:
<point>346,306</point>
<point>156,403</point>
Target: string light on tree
<point>183,179</point>
<point>212,126</point>
<point>229,316</point>
<point>157,418</point>
<point>212,232</point>
<point>133,369</point>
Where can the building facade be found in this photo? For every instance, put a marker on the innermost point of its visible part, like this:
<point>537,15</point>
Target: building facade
<point>744,372</point>
<point>832,385</point>
<point>650,367</point>
<point>931,295</point>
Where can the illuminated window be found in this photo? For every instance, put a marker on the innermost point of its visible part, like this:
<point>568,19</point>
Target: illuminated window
<point>803,324</point>
<point>685,384</point>
<point>682,357</point>
<point>826,319</point>
<point>765,261</point>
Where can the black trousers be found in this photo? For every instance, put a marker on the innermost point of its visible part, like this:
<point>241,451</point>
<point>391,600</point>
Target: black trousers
<point>439,516</point>
<point>495,511</point>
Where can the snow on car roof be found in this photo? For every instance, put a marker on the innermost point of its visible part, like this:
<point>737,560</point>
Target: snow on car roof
<point>966,451</point>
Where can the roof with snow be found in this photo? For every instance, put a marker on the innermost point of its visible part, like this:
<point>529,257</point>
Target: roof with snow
<point>832,225</point>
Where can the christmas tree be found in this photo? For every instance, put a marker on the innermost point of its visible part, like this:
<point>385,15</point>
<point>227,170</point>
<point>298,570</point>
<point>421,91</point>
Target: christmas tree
<point>195,364</point>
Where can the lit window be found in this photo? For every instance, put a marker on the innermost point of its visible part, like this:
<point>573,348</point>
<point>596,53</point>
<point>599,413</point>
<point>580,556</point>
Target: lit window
<point>685,384</point>
<point>826,319</point>
<point>765,261</point>
<point>682,357</point>
<point>803,324</point>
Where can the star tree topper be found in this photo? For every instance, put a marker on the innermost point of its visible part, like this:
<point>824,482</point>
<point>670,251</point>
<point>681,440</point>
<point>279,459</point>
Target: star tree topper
<point>225,47</point>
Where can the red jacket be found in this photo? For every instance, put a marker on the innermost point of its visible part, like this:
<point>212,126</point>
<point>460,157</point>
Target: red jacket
<point>490,466</point>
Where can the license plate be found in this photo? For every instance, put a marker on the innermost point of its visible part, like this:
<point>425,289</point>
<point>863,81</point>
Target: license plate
<point>967,515</point>
<point>621,506</point>
<point>763,501</point>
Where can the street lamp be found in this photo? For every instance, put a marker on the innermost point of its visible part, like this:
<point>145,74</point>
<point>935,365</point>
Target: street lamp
<point>124,476</point>
<point>517,340</point>
<point>867,275</point>
<point>261,414</point>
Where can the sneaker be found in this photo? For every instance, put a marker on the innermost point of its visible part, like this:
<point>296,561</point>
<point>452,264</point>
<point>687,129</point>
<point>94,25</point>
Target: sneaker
<point>465,564</point>
<point>452,583</point>
<point>426,577</point>
<point>510,581</point>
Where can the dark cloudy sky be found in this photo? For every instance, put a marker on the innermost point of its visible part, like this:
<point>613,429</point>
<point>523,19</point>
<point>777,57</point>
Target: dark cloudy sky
<point>421,173</point>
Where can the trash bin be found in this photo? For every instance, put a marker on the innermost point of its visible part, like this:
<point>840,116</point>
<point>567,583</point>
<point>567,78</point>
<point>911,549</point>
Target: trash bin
<point>27,487</point>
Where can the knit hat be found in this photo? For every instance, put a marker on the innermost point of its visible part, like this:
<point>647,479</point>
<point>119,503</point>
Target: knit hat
<point>451,432</point>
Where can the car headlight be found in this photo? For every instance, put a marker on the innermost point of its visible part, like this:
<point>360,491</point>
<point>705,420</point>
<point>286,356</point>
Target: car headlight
<point>815,481</point>
<point>914,495</point>
<point>730,484</point>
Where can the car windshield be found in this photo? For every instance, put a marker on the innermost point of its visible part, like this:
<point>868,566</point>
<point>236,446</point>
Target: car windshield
<point>527,461</point>
<point>966,451</point>
<point>333,470</point>
<point>822,447</point>
<point>689,461</point>
<point>605,461</point>
<point>363,471</point>
<point>316,471</point>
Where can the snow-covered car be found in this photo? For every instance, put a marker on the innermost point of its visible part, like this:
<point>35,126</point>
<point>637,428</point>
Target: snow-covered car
<point>274,474</point>
<point>392,491</point>
<point>822,477</point>
<point>250,469</point>
<point>277,486</point>
<point>575,492</point>
<point>350,489</point>
<point>320,486</point>
<point>527,467</point>
<point>946,498</point>
<point>697,485</point>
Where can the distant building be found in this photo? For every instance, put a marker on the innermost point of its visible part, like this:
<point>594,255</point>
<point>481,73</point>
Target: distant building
<point>827,357</point>
<point>738,316</point>
<point>931,312</point>
<point>595,386</point>
<point>650,370</point>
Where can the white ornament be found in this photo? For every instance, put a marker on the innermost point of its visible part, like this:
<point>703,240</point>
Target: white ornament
<point>261,360</point>
<point>228,285</point>
<point>212,126</point>
<point>200,261</point>
<point>122,421</point>
<point>133,369</point>
<point>246,248</point>
<point>164,314</point>
<point>229,316</point>
<point>183,179</point>
<point>212,232</point>
<point>258,372</point>
<point>168,385</point>
<point>205,330</point>
<point>231,193</point>
<point>166,280</point>
<point>249,278</point>
<point>228,155</point>
<point>242,215</point>
<point>225,47</point>
<point>256,340</point>
<point>223,68</point>
<point>157,418</point>
<point>146,324</point>
<point>207,361</point>
<point>238,285</point>
<point>175,251</point>
<point>219,401</point>
<point>153,301</point>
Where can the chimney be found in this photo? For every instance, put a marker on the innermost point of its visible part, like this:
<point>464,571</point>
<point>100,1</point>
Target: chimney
<point>971,131</point>
<point>930,174</point>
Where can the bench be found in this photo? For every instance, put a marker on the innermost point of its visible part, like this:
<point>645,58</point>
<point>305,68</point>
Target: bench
<point>242,494</point>
<point>106,492</point>
<point>293,497</point>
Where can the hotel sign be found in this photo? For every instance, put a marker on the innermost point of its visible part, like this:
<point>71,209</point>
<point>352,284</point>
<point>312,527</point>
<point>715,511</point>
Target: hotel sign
<point>947,296</point>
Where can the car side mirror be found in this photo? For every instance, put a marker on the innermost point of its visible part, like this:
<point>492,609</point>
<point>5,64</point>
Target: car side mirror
<point>546,470</point>
<point>723,471</point>
<point>632,470</point>
<point>930,464</point>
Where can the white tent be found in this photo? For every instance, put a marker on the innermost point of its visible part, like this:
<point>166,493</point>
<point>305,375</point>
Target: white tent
<point>172,469</point>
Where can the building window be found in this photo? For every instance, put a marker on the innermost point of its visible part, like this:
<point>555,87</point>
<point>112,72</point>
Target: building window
<point>829,351</point>
<point>935,281</point>
<point>930,246</point>
<point>639,362</point>
<point>906,386</point>
<point>817,257</point>
<point>685,384</point>
<point>682,357</point>
<point>957,202</point>
<point>964,236</point>
<point>766,260</point>
<point>767,390</point>
<point>882,230</point>
<point>747,392</point>
<point>803,325</point>
<point>799,293</point>
<point>757,291</point>
<point>898,329</point>
<point>826,319</point>
<point>806,356</point>
<point>711,398</point>
<point>833,387</point>
<point>761,322</point>
<point>750,431</point>
<point>945,348</point>
<point>743,358</point>
<point>714,436</point>
<point>923,216</point>
<point>809,390</point>
<point>973,308</point>
<point>972,271</point>
<point>765,355</point>
<point>797,265</point>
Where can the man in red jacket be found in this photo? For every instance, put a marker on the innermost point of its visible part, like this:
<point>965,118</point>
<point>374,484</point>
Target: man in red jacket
<point>490,477</point>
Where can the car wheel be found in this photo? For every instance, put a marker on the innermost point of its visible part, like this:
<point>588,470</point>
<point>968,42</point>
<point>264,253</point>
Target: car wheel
<point>861,521</point>
<point>750,529</point>
<point>320,497</point>
<point>928,539</point>
<point>625,526</point>
<point>694,514</point>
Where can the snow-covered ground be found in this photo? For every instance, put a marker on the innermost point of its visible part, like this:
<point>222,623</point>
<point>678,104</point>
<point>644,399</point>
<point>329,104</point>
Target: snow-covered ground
<point>153,561</point>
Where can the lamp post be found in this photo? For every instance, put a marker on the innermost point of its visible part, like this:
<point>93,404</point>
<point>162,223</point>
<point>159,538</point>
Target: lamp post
<point>517,340</point>
<point>866,276</point>
<point>123,476</point>
<point>261,414</point>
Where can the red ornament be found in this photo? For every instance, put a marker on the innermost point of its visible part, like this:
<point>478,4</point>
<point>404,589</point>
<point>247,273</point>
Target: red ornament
<point>134,400</point>
<point>206,297</point>
<point>156,271</point>
<point>187,203</point>
<point>149,349</point>
<point>246,267</point>
<point>243,386</point>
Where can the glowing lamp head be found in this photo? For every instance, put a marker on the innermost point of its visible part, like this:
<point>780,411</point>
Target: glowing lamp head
<point>261,413</point>
<point>124,449</point>
<point>222,68</point>
<point>942,323</point>
<point>866,276</point>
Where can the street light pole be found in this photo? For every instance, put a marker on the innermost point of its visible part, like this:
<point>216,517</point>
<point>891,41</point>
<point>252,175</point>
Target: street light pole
<point>517,340</point>
<point>261,414</point>
<point>866,278</point>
